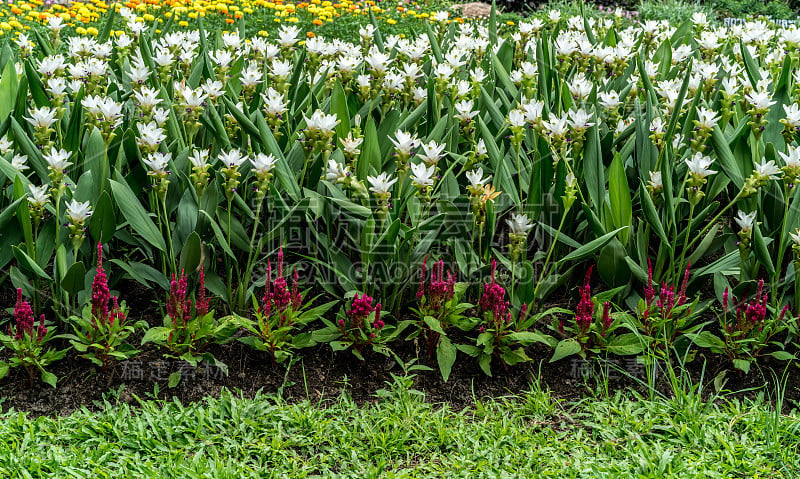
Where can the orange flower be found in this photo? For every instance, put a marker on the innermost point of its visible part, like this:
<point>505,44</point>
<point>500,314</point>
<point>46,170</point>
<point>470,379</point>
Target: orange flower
<point>228,20</point>
<point>317,22</point>
<point>310,35</point>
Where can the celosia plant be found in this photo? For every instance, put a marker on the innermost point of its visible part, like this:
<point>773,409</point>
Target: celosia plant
<point>359,325</point>
<point>439,307</point>
<point>665,316</point>
<point>746,328</point>
<point>593,328</point>
<point>100,333</point>
<point>501,334</point>
<point>279,316</point>
<point>27,342</point>
<point>189,327</point>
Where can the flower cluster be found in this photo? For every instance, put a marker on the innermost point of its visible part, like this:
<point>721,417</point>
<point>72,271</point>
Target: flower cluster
<point>24,320</point>
<point>105,309</point>
<point>361,309</point>
<point>436,290</point>
<point>493,300</point>
<point>278,296</point>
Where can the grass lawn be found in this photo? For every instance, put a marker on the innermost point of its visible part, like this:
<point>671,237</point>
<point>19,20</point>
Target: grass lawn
<point>400,435</point>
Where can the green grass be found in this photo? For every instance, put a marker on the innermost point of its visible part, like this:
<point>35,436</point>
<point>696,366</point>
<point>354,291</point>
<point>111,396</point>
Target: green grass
<point>400,435</point>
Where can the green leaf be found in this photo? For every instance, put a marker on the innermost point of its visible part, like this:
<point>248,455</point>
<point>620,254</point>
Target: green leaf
<point>446,357</point>
<point>591,247</point>
<point>564,348</point>
<point>28,263</point>
<point>8,90</point>
<point>619,195</point>
<point>103,223</point>
<point>137,216</point>
<point>191,253</point>
<point>174,379</point>
<point>73,280</point>
<point>49,378</point>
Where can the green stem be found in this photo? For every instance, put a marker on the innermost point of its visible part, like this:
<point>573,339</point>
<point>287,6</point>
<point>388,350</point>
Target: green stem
<point>250,256</point>
<point>715,219</point>
<point>549,254</point>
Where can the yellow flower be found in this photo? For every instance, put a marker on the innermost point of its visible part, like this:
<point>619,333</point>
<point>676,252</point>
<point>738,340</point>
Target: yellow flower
<point>92,31</point>
<point>80,31</point>
<point>391,21</point>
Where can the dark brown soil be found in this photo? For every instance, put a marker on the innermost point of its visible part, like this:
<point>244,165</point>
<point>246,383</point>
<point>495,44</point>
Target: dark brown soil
<point>322,375</point>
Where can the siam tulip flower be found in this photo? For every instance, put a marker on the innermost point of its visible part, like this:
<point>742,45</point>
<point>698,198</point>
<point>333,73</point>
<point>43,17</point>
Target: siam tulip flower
<point>746,221</point>
<point>763,173</point>
<point>791,168</point>
<point>403,144</point>
<point>200,166</point>
<point>42,118</point>
<point>381,184</point>
<point>6,146</point>
<point>150,137</point>
<point>698,172</point>
<point>287,36</point>
<point>321,124</point>
<point>432,153</point>
<point>422,175</point>
<point>232,161</point>
<point>213,89</point>
<point>476,179</point>
<point>157,164</point>
<point>699,166</point>
<point>19,163</point>
<point>655,185</point>
<point>336,172</point>
<point>78,212</point>
<point>519,225</point>
<point>350,145</point>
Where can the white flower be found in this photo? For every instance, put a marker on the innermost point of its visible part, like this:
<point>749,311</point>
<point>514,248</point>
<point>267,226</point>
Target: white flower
<point>380,184</point>
<point>404,142</point>
<point>146,98</point>
<point>233,158</point>
<point>516,118</point>
<point>795,237</point>
<point>350,145</point>
<point>760,100</point>
<point>422,175</point>
<point>150,134</point>
<point>6,146</point>
<point>791,157</point>
<point>39,195</point>
<point>519,224</point>
<point>336,172</point>
<point>480,148</point>
<point>78,212</point>
<point>157,162</point>
<point>19,163</point>
<point>263,164</point>
<point>609,100</point>
<point>745,221</point>
<point>476,178</point>
<point>698,165</point>
<point>321,122</point>
<point>792,115</point>
<point>432,152</point>
<point>199,159</point>
<point>707,118</point>
<point>55,23</point>
<point>42,118</point>
<point>579,119</point>
<point>767,170</point>
<point>213,88</point>
<point>57,159</point>
<point>287,36</point>
<point>464,111</point>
